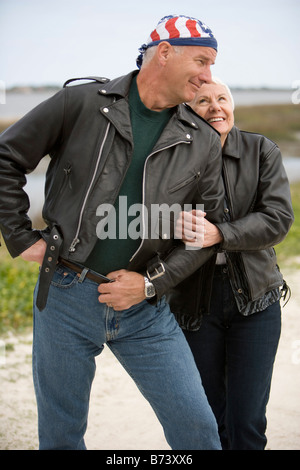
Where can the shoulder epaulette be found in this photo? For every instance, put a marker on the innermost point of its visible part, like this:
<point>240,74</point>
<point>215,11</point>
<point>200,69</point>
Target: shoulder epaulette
<point>96,79</point>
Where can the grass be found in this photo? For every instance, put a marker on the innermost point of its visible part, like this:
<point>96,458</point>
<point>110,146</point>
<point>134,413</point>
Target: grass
<point>17,281</point>
<point>278,122</point>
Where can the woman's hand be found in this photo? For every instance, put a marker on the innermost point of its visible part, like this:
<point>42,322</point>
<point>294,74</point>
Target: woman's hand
<point>190,228</point>
<point>212,235</point>
<point>195,231</point>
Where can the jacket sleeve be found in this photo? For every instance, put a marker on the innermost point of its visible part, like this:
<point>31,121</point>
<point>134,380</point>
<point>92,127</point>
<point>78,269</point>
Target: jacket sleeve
<point>272,215</point>
<point>22,146</point>
<point>183,261</point>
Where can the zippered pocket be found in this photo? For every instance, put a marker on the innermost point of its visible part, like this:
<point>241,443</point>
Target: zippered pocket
<point>185,182</point>
<point>67,179</point>
<point>64,183</point>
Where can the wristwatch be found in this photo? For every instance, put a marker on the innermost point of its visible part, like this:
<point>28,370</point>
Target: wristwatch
<point>149,289</point>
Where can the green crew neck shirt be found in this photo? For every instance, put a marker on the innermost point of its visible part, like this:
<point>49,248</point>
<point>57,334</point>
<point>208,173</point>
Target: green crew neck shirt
<point>111,254</point>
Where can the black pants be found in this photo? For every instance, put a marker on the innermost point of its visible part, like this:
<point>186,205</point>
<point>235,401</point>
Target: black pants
<point>235,356</point>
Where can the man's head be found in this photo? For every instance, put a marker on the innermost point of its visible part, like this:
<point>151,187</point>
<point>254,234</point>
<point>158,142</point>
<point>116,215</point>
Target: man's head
<point>179,30</point>
<point>176,60</point>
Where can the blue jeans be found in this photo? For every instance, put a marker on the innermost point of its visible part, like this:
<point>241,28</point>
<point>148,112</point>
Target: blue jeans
<point>235,356</point>
<point>147,341</point>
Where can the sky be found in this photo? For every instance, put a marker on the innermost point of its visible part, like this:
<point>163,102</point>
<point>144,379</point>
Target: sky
<point>48,41</point>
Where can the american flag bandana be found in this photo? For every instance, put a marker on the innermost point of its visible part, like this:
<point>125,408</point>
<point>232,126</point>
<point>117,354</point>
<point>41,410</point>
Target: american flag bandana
<point>179,30</point>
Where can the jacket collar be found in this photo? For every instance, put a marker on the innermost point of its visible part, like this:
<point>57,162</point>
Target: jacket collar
<point>120,87</point>
<point>232,144</point>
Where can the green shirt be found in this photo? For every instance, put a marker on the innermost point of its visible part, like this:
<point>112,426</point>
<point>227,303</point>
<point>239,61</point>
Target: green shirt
<point>111,254</point>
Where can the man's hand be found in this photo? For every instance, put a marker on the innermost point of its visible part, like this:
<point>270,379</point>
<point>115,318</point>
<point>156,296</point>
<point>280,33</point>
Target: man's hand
<point>35,252</point>
<point>127,289</point>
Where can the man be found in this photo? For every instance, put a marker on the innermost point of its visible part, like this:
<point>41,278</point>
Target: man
<point>126,139</point>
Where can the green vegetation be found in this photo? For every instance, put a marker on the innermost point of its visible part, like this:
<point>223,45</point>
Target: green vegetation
<point>288,251</point>
<point>278,122</point>
<point>17,281</point>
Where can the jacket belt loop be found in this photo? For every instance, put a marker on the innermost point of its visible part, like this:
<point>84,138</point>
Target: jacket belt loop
<point>48,267</point>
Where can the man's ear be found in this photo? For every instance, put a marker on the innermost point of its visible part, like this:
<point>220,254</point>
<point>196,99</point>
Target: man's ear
<point>164,50</point>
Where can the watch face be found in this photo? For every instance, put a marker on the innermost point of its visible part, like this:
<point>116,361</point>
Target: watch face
<point>149,288</point>
<point>150,291</point>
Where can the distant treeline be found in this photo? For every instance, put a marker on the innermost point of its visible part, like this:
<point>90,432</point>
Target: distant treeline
<point>33,89</point>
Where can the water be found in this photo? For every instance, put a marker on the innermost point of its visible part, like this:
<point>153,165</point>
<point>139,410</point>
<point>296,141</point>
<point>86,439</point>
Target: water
<point>292,168</point>
<point>256,97</point>
<point>18,104</point>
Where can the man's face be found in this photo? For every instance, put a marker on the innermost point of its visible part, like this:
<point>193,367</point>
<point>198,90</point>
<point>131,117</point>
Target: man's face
<point>187,70</point>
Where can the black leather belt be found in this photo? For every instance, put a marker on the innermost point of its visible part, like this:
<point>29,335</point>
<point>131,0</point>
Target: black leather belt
<point>78,268</point>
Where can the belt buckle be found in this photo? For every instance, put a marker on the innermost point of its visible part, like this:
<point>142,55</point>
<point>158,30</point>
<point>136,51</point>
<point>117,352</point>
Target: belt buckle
<point>160,271</point>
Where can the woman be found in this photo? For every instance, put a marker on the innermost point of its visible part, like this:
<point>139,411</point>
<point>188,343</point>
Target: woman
<point>230,309</point>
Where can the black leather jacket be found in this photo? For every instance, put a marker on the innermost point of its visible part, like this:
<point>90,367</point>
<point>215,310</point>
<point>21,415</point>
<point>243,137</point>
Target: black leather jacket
<point>86,131</point>
<point>257,215</point>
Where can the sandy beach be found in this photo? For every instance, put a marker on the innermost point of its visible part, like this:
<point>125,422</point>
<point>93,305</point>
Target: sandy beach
<point>120,418</point>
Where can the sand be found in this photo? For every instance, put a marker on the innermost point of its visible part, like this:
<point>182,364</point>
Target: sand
<point>120,418</point>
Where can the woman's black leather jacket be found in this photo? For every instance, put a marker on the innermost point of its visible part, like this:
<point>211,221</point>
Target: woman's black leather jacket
<point>257,215</point>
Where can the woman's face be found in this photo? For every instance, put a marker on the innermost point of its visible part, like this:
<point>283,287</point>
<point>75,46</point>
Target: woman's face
<point>213,103</point>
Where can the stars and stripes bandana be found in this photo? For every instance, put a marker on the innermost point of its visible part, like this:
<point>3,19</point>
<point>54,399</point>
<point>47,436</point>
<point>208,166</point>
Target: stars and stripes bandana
<point>179,30</point>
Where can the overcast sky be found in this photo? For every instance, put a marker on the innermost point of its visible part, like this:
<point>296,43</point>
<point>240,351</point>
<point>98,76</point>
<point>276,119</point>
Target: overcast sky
<point>47,42</point>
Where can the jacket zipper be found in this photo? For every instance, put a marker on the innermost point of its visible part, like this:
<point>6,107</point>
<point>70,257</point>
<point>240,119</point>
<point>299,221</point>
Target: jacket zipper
<point>143,193</point>
<point>76,240</point>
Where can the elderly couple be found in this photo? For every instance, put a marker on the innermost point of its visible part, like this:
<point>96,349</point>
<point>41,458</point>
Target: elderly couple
<point>205,300</point>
